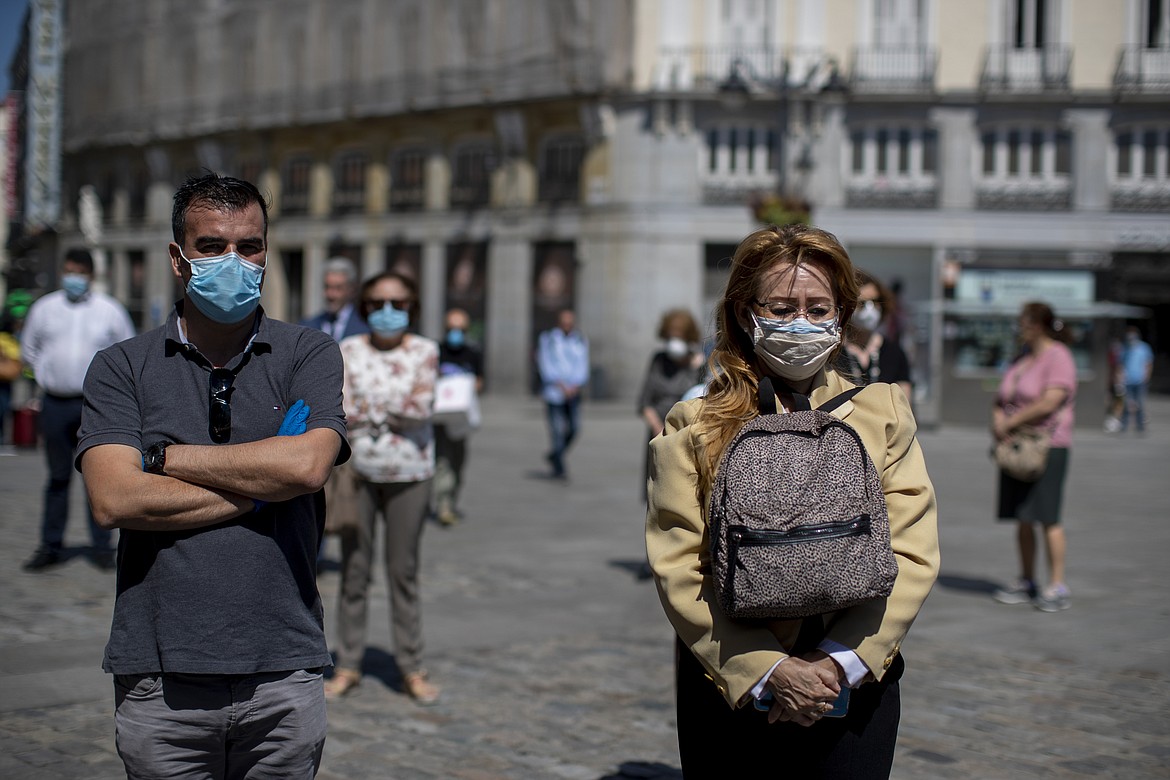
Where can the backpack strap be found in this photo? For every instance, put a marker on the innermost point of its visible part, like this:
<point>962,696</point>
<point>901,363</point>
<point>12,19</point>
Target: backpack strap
<point>767,396</point>
<point>800,402</point>
<point>838,400</point>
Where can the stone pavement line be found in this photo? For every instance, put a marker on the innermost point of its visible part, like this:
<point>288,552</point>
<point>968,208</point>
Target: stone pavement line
<point>555,661</point>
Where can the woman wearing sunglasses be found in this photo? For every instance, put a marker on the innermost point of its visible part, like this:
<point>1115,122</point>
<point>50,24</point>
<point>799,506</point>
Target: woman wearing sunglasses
<point>389,392</point>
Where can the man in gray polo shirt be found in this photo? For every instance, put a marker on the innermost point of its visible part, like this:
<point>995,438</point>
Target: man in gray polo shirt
<point>207,442</point>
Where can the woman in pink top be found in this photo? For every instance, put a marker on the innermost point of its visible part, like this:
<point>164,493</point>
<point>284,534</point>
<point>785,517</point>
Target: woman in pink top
<point>1038,390</point>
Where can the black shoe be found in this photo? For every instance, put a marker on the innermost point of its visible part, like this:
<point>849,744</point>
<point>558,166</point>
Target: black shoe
<point>43,559</point>
<point>106,560</point>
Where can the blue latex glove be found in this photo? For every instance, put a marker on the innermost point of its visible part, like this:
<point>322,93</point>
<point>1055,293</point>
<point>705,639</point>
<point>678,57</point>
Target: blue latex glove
<point>294,420</point>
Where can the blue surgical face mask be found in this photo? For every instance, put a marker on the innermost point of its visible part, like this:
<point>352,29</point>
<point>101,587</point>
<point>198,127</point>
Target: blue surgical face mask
<point>455,337</point>
<point>794,350</point>
<point>388,322</point>
<point>75,285</point>
<point>225,288</point>
<point>799,325</point>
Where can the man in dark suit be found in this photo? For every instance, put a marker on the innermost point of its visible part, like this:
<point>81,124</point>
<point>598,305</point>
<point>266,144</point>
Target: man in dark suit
<point>339,319</point>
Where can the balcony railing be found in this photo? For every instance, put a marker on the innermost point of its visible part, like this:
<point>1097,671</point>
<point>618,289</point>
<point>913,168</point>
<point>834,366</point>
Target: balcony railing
<point>562,189</point>
<point>891,194</point>
<point>1141,197</point>
<point>349,201</point>
<point>1024,195</point>
<point>711,67</point>
<point>1039,69</point>
<point>893,69</point>
<point>470,195</point>
<point>1143,70</point>
<point>407,198</point>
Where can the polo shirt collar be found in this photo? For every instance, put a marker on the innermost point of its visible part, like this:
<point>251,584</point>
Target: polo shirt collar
<point>175,340</point>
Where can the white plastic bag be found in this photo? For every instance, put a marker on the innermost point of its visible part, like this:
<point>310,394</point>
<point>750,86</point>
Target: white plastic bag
<point>456,404</point>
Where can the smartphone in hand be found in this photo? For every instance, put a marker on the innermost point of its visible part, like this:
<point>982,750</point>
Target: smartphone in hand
<point>841,705</point>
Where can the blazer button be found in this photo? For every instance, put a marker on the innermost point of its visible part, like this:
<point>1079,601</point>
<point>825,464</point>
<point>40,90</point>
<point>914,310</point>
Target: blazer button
<point>887,662</point>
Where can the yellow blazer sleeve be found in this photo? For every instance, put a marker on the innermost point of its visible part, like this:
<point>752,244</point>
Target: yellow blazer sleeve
<point>735,655</point>
<point>874,630</point>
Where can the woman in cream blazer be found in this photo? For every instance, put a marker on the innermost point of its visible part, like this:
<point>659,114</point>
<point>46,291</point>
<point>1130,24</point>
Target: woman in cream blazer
<point>752,695</point>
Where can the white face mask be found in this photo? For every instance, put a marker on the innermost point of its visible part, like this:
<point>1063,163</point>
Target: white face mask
<point>868,316</point>
<point>796,350</point>
<point>676,348</point>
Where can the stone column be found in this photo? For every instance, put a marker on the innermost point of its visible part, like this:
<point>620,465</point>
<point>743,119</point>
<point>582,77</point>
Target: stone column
<point>432,285</point>
<point>1090,157</point>
<point>508,351</point>
<point>957,137</point>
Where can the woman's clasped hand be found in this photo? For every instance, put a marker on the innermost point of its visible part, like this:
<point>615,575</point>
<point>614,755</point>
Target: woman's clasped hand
<point>803,690</point>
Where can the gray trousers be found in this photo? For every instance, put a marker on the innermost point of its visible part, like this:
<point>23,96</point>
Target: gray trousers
<point>403,505</point>
<point>266,726</point>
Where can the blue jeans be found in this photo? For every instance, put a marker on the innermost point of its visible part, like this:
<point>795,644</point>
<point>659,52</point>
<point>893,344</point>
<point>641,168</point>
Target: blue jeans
<point>1135,398</point>
<point>59,419</point>
<point>563,420</point>
<point>220,727</point>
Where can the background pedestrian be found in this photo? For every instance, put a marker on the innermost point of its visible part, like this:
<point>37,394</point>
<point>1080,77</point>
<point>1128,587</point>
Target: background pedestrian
<point>1137,366</point>
<point>562,356</point>
<point>457,355</point>
<point>389,392</point>
<point>62,333</point>
<point>1038,390</point>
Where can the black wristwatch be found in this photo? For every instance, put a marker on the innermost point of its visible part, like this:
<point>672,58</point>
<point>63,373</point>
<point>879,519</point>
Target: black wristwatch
<point>154,460</point>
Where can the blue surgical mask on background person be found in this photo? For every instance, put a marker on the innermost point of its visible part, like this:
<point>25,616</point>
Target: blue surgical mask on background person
<point>794,350</point>
<point>388,322</point>
<point>75,285</point>
<point>226,288</point>
<point>455,338</point>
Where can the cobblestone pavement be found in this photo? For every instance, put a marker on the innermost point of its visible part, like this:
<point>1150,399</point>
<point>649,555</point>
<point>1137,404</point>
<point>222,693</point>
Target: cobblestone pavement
<point>555,660</point>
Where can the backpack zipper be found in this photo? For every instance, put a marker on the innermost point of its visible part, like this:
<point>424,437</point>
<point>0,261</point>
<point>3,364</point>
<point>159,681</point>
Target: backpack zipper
<point>741,535</point>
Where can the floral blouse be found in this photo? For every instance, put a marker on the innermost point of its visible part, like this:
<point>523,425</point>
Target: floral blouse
<point>388,396</point>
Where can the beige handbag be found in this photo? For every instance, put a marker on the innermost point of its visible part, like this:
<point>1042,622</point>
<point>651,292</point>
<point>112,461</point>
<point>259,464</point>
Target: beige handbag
<point>341,500</point>
<point>1024,454</point>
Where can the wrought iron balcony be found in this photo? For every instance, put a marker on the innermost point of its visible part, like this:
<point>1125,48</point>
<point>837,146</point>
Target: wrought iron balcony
<point>1140,196</point>
<point>893,69</point>
<point>1038,69</point>
<point>711,68</point>
<point>1024,195</point>
<point>885,193</point>
<point>1140,69</point>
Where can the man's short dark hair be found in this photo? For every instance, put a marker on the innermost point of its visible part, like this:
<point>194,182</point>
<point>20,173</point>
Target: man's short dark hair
<point>81,257</point>
<point>212,191</point>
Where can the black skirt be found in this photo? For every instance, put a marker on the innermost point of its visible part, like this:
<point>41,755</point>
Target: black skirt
<point>1039,501</point>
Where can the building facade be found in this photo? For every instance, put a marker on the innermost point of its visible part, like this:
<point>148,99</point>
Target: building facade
<point>520,156</point>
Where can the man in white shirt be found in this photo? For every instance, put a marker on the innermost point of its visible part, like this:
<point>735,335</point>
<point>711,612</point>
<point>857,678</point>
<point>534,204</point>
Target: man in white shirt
<point>62,333</point>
